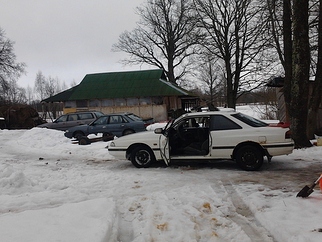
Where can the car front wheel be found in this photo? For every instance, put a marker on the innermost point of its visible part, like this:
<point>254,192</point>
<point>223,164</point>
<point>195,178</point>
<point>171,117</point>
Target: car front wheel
<point>78,135</point>
<point>142,157</point>
<point>249,158</point>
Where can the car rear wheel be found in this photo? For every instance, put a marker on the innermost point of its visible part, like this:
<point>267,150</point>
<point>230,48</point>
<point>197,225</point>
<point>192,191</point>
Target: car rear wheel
<point>107,137</point>
<point>84,140</point>
<point>142,157</point>
<point>249,158</point>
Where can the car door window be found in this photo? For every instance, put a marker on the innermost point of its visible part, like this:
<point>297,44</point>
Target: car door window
<point>101,121</point>
<point>220,122</point>
<point>191,137</point>
<point>116,119</point>
<point>72,117</point>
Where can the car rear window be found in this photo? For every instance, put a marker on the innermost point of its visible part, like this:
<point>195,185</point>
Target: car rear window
<point>99,114</point>
<point>249,120</point>
<point>83,116</point>
<point>134,117</point>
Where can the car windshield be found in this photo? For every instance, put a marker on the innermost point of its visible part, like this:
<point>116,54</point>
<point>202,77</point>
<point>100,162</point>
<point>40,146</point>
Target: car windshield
<point>249,120</point>
<point>169,124</point>
<point>61,119</point>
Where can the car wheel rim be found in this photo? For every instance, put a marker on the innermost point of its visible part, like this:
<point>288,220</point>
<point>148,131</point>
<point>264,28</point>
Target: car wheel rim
<point>250,159</point>
<point>142,157</point>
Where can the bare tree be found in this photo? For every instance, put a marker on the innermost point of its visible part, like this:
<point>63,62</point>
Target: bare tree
<point>47,87</point>
<point>211,76</point>
<point>316,95</point>
<point>29,95</point>
<point>52,86</point>
<point>300,72</point>
<point>9,68</point>
<point>40,85</point>
<point>14,94</point>
<point>235,35</point>
<point>300,54</point>
<point>165,37</point>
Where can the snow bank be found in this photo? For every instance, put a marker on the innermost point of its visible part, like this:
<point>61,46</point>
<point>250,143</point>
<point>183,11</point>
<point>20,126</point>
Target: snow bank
<point>91,220</point>
<point>54,190</point>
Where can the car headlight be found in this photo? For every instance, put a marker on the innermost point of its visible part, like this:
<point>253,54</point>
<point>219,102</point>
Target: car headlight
<point>112,144</point>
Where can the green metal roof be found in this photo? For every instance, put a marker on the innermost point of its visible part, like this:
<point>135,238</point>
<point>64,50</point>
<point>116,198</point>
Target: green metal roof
<point>62,96</point>
<point>145,83</point>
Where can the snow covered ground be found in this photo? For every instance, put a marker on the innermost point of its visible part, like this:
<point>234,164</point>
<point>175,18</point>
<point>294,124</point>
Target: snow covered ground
<point>54,190</point>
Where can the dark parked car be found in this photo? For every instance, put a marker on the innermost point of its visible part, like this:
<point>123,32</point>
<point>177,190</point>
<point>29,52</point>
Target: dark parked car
<point>69,120</point>
<point>117,124</point>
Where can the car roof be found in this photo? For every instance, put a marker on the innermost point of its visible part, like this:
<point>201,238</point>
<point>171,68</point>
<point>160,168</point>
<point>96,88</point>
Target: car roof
<point>222,111</point>
<point>121,113</point>
<point>83,112</point>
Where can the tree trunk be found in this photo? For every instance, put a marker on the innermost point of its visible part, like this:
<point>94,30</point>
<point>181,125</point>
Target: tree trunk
<point>300,74</point>
<point>287,39</point>
<point>316,95</point>
<point>231,99</point>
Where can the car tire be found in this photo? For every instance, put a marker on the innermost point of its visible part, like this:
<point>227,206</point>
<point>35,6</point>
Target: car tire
<point>107,137</point>
<point>249,158</point>
<point>84,141</point>
<point>142,157</point>
<point>128,131</point>
<point>78,135</point>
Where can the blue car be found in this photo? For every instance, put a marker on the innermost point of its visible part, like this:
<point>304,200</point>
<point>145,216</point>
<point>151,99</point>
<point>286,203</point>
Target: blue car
<point>117,124</point>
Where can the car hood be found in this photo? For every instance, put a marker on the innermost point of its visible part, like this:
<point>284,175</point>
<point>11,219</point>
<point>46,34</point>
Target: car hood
<point>140,137</point>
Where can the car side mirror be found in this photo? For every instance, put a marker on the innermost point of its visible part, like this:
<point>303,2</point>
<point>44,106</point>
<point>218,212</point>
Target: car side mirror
<point>158,131</point>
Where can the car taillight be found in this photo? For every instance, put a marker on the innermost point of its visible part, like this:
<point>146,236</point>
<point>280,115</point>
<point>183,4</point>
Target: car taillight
<point>288,134</point>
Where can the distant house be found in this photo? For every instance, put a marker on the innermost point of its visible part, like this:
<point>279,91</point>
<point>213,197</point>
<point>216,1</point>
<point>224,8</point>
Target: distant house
<point>146,93</point>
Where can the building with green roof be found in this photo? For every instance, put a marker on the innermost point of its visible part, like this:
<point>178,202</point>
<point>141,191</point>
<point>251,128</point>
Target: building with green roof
<point>146,93</point>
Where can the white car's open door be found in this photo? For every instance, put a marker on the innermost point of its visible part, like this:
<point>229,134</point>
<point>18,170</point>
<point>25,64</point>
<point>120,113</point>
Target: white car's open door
<point>164,142</point>
<point>164,149</point>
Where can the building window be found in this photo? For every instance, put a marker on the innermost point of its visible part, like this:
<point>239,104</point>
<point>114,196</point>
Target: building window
<point>132,101</point>
<point>81,103</point>
<point>120,102</point>
<point>145,101</point>
<point>157,100</point>
<point>107,102</point>
<point>94,103</point>
<point>70,104</point>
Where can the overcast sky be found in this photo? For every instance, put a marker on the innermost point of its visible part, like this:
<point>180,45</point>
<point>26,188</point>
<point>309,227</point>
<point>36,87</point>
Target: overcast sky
<point>67,39</point>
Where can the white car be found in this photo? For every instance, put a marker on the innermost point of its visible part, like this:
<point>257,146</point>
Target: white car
<point>206,136</point>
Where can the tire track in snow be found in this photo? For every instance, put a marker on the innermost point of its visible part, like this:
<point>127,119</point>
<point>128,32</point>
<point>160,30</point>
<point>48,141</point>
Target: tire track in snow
<point>245,218</point>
